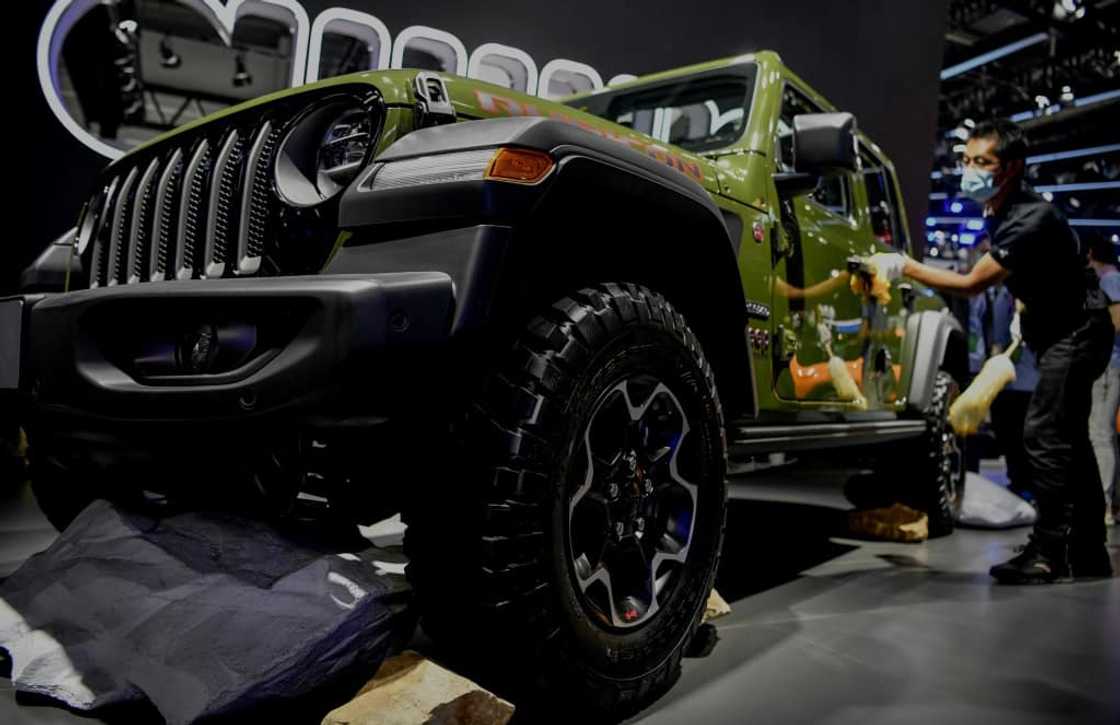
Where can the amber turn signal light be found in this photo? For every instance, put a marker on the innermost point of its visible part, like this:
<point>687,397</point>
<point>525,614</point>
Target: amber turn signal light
<point>522,166</point>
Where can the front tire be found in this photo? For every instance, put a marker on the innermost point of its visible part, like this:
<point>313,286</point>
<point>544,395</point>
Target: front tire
<point>585,542</point>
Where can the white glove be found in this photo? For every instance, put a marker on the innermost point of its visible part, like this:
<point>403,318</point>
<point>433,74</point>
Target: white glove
<point>1016,327</point>
<point>888,265</point>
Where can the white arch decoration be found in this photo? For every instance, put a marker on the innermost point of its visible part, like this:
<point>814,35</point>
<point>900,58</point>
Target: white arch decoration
<point>560,66</point>
<point>64,13</point>
<point>508,53</point>
<point>353,24</point>
<point>434,35</point>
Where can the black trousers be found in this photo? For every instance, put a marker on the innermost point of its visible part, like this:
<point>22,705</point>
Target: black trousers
<point>1056,433</point>
<point>1009,415</point>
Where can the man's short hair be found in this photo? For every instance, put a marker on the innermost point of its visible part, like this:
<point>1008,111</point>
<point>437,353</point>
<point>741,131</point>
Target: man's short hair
<point>1102,248</point>
<point>1011,142</point>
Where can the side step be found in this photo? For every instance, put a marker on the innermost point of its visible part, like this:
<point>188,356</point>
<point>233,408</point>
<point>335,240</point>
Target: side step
<point>748,440</point>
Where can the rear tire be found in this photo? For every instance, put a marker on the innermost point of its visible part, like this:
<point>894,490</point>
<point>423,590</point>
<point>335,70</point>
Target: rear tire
<point>939,478</point>
<point>510,566</point>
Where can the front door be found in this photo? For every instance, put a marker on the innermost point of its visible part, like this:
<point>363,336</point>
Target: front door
<point>820,325</point>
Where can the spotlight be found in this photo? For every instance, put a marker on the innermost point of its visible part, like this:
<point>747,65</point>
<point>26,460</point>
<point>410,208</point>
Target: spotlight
<point>241,75</point>
<point>168,58</point>
<point>956,207</point>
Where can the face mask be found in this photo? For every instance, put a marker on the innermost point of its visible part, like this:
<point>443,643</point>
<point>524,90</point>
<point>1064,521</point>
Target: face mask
<point>978,185</point>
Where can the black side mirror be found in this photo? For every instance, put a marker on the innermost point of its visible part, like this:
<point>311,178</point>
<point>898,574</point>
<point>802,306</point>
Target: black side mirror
<point>824,143</point>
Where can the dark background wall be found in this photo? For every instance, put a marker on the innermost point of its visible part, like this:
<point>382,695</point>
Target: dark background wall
<point>876,58</point>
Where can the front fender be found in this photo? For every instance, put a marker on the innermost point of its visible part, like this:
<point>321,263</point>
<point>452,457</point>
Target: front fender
<point>934,341</point>
<point>606,213</point>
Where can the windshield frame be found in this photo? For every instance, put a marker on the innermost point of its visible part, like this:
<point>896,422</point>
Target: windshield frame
<point>598,104</point>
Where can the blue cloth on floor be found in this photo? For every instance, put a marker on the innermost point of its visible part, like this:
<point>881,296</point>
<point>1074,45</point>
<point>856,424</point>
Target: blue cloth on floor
<point>201,613</point>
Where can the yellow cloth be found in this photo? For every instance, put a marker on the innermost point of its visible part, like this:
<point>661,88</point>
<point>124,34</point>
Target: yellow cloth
<point>880,287</point>
<point>845,384</point>
<point>969,410</point>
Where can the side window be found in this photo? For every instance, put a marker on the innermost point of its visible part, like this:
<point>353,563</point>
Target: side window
<point>832,193</point>
<point>882,201</point>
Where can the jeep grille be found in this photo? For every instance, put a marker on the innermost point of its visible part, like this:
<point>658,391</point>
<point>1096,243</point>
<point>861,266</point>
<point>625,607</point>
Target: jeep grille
<point>198,205</point>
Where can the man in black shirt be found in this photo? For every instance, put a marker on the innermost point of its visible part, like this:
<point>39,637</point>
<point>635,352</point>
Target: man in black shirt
<point>1064,320</point>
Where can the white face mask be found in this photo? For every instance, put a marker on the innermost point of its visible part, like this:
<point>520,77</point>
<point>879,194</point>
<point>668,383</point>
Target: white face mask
<point>978,185</point>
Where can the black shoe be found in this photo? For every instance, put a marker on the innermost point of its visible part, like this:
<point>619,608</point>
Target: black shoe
<point>1041,561</point>
<point>1090,561</point>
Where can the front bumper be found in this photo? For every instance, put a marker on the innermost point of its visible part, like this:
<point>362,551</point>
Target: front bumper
<point>131,355</point>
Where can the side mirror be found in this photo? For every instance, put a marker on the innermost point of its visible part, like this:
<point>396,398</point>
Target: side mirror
<point>824,143</point>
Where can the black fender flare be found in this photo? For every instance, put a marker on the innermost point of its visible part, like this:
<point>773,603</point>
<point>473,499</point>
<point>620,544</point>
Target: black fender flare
<point>935,341</point>
<point>652,224</point>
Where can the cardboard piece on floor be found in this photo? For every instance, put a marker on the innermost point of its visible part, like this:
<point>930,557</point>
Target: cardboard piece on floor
<point>412,690</point>
<point>716,607</point>
<point>203,614</point>
<point>891,523</point>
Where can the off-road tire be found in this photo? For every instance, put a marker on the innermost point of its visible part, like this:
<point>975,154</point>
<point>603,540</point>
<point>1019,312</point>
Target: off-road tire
<point>937,467</point>
<point>488,561</point>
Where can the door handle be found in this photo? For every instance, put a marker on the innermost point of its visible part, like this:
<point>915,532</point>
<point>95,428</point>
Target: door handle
<point>906,291</point>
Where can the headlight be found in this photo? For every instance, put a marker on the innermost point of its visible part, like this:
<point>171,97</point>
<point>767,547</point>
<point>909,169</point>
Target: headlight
<point>323,152</point>
<point>515,165</point>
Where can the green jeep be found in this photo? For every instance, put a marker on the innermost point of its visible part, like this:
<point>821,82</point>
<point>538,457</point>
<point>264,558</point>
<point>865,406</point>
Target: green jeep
<point>537,329</point>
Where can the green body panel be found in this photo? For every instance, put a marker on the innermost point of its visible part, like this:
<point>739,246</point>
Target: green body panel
<point>807,290</point>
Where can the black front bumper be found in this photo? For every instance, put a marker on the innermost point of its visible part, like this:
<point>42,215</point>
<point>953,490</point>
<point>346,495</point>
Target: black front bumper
<point>129,355</point>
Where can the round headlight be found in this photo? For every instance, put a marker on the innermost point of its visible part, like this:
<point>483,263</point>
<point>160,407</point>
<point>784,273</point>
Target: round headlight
<point>323,152</point>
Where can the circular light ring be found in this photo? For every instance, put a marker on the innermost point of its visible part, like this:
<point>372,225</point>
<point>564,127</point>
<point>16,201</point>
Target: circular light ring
<point>323,151</point>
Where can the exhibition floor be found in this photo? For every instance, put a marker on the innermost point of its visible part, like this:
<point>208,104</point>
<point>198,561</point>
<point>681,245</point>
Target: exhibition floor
<point>829,629</point>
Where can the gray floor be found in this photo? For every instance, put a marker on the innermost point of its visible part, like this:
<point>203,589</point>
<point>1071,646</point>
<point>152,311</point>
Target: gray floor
<point>829,629</point>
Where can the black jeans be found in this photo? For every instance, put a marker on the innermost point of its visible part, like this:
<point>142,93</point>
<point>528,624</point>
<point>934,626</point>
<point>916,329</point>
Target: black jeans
<point>1056,433</point>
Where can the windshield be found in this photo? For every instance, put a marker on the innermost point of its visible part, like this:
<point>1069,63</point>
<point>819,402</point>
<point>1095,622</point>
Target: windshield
<point>698,113</point>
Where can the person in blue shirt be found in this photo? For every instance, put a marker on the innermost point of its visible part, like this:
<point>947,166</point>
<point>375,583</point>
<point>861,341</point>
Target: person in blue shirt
<point>1009,409</point>
<point>1106,390</point>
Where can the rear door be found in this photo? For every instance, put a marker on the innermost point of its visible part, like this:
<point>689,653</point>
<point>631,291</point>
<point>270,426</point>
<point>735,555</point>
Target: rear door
<point>884,230</point>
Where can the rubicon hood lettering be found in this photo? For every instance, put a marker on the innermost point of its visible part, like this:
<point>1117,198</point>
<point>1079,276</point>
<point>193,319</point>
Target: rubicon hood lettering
<point>499,105</point>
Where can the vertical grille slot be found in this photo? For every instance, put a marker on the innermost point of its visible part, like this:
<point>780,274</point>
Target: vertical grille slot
<point>223,192</point>
<point>164,224</point>
<point>142,234</point>
<point>101,234</point>
<point>120,234</point>
<point>193,212</point>
<point>256,201</point>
